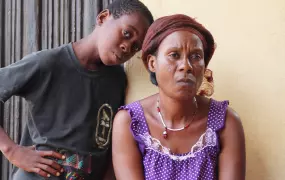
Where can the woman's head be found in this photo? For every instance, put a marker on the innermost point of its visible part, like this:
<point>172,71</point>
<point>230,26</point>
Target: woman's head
<point>176,51</point>
<point>122,28</point>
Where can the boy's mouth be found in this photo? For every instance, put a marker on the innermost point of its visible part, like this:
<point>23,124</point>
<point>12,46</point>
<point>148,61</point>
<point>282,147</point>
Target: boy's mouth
<point>118,57</point>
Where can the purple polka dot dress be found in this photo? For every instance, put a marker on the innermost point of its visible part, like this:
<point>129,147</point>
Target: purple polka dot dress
<point>159,163</point>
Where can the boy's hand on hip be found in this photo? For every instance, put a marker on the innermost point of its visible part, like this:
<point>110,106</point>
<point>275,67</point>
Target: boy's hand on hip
<point>31,160</point>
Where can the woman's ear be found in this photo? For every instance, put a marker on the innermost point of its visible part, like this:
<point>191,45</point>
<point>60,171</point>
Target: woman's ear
<point>151,62</point>
<point>102,16</point>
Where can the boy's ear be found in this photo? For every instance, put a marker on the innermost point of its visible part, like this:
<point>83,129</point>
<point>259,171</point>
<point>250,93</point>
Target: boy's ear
<point>151,62</point>
<point>102,16</point>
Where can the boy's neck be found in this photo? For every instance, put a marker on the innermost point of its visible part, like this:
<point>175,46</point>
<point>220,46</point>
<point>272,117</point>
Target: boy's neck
<point>87,53</point>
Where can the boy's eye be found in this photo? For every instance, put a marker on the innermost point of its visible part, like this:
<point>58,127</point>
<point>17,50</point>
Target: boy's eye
<point>136,48</point>
<point>126,34</point>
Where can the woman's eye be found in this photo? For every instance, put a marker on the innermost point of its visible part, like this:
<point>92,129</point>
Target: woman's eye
<point>174,55</point>
<point>196,56</point>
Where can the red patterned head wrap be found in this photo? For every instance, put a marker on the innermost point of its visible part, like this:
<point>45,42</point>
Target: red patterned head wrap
<point>166,25</point>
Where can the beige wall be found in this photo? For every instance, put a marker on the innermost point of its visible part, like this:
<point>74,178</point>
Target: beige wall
<point>248,70</point>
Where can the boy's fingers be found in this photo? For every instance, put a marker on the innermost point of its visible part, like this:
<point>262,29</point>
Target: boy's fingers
<point>51,154</point>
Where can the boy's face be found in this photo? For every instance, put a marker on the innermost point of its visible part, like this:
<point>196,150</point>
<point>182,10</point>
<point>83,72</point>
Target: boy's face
<point>120,38</point>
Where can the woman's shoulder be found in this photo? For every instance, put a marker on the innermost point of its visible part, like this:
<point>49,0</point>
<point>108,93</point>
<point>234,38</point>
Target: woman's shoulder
<point>230,113</point>
<point>134,110</point>
<point>148,101</point>
<point>231,119</point>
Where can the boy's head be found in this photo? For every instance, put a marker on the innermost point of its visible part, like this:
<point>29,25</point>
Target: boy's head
<point>121,29</point>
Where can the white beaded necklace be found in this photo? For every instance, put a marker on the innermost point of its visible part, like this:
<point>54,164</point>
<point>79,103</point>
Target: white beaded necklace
<point>177,129</point>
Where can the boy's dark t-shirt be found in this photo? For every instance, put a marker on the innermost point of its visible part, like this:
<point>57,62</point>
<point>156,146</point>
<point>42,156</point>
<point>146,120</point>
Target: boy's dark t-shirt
<point>69,107</point>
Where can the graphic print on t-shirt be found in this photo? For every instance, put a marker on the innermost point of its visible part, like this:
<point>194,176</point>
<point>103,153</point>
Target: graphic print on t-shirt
<point>104,126</point>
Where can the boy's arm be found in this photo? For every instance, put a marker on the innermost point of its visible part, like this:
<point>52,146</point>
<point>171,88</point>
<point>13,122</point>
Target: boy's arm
<point>28,159</point>
<point>16,79</point>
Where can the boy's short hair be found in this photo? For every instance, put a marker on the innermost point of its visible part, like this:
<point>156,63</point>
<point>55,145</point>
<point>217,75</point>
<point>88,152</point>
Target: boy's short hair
<point>119,8</point>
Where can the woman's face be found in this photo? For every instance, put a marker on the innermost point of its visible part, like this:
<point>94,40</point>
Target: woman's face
<point>179,65</point>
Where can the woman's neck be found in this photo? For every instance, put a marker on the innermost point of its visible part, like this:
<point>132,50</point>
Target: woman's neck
<point>176,113</point>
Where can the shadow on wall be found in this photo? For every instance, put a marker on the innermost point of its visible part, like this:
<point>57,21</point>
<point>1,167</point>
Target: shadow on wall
<point>244,104</point>
<point>256,167</point>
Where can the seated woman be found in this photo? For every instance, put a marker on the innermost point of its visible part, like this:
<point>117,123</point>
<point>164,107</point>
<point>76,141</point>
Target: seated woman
<point>178,133</point>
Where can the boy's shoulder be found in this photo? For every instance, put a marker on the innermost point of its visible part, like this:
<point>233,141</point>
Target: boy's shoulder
<point>48,57</point>
<point>116,72</point>
<point>53,53</point>
<point>118,69</point>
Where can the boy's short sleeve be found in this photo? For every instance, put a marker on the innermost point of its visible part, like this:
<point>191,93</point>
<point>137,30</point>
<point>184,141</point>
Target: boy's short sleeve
<point>15,78</point>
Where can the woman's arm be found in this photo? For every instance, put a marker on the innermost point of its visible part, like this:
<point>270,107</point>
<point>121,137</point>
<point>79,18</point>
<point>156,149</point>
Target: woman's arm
<point>127,160</point>
<point>232,159</point>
